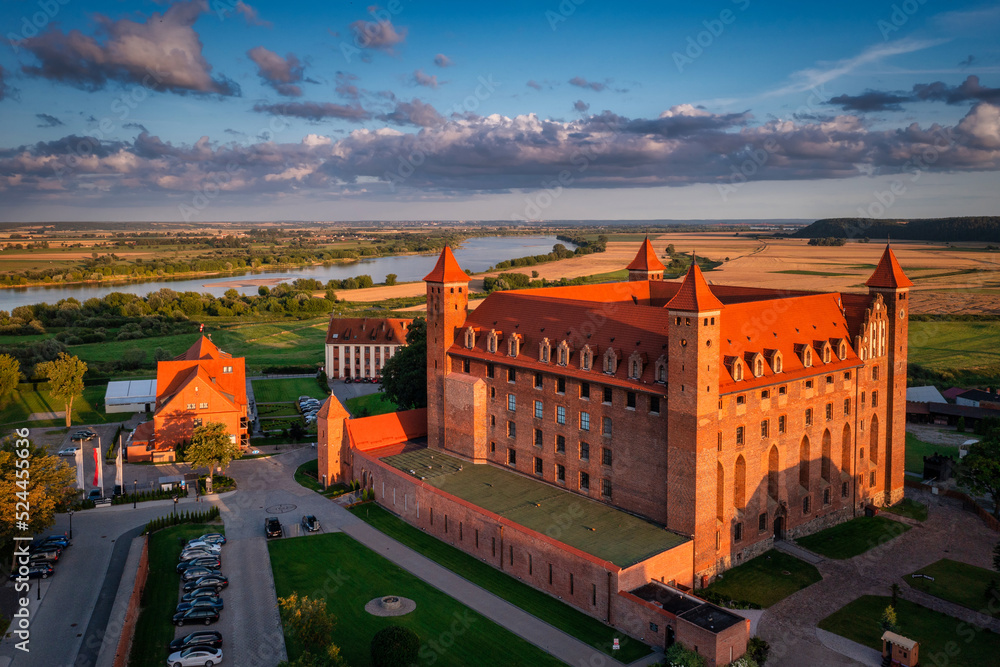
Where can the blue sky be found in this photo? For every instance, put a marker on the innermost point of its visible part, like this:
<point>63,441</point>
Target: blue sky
<point>225,110</point>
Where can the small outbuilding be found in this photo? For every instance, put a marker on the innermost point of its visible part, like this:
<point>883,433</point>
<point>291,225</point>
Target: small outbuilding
<point>130,396</point>
<point>900,651</point>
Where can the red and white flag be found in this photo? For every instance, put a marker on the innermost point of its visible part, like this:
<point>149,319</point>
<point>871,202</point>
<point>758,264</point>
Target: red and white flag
<point>119,474</point>
<point>201,327</point>
<point>79,467</point>
<point>97,467</point>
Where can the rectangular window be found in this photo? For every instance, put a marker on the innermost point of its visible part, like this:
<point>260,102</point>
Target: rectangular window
<point>871,479</point>
<point>741,399</point>
<point>606,426</point>
<point>809,416</point>
<point>493,420</point>
<point>466,366</point>
<point>190,406</point>
<point>781,424</point>
<point>738,531</point>
<point>826,496</point>
<point>584,390</point>
<point>765,394</point>
<point>511,430</point>
<point>805,505</point>
<point>530,563</point>
<point>584,481</point>
<point>874,399</point>
<point>512,457</point>
<point>809,384</point>
<point>653,627</point>
<point>584,421</point>
<point>560,444</point>
<point>570,583</point>
<point>654,405</point>
<point>606,488</point>
<point>863,398</point>
<point>607,395</point>
<point>843,490</point>
<point>538,380</point>
<point>847,375</point>
<point>511,375</point>
<point>606,456</point>
<point>511,402</point>
<point>493,392</point>
<point>538,466</point>
<point>718,441</point>
<point>762,522</point>
<point>538,437</point>
<point>739,435</point>
<point>829,379</point>
<point>203,406</point>
<point>539,409</point>
<point>764,428</point>
<point>560,414</point>
<point>550,573</point>
<point>782,390</point>
<point>847,406</point>
<point>874,372</point>
<point>829,411</point>
<point>227,369</point>
<point>630,399</point>
<point>584,451</point>
<point>561,473</point>
<point>561,385</point>
<point>593,595</point>
<point>491,371</point>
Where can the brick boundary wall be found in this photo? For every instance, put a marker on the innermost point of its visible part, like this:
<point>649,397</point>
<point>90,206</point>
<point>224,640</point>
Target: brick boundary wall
<point>968,502</point>
<point>132,612</point>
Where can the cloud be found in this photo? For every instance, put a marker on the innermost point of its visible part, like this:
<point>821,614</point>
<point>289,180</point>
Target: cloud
<point>441,60</point>
<point>870,100</point>
<point>3,83</point>
<point>135,126</point>
<point>970,90</point>
<point>314,111</point>
<point>250,14</point>
<point>377,35</point>
<point>47,120</point>
<point>162,53</point>
<point>422,79</point>
<point>345,86</point>
<point>967,62</point>
<point>282,74</point>
<point>415,113</point>
<point>580,105</point>
<point>534,84</point>
<point>580,82</point>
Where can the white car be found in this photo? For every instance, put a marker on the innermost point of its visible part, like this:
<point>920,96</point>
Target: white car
<point>68,451</point>
<point>195,656</point>
<point>208,546</point>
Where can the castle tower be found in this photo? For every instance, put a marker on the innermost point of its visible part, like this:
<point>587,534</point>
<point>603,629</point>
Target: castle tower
<point>889,280</point>
<point>447,308</point>
<point>646,266</point>
<point>693,414</point>
<point>331,446</point>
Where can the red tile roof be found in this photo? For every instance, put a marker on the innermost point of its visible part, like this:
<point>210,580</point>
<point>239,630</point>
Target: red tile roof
<point>332,408</point>
<point>369,331</point>
<point>447,270</point>
<point>203,349</point>
<point>694,294</point>
<point>388,429</point>
<point>645,259</point>
<point>188,376</point>
<point>888,273</point>
<point>143,433</point>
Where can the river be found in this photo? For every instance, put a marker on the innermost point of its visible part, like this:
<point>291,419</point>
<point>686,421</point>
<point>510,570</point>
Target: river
<point>476,254</point>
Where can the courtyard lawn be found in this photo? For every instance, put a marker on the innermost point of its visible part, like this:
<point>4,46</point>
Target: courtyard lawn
<point>848,539</point>
<point>286,390</point>
<point>26,400</point>
<point>766,579</point>
<point>533,601</point>
<point>307,476</point>
<point>910,508</point>
<point>302,565</point>
<point>917,449</point>
<point>939,635</point>
<point>154,630</point>
<point>957,582</point>
<point>370,405</point>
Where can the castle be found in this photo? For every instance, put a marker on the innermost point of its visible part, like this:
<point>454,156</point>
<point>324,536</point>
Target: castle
<point>655,432</point>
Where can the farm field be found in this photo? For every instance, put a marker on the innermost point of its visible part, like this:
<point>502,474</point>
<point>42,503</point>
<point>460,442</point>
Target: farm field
<point>946,346</point>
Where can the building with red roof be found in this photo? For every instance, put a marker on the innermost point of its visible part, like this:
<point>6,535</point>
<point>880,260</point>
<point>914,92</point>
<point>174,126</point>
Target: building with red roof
<point>200,386</point>
<point>358,347</point>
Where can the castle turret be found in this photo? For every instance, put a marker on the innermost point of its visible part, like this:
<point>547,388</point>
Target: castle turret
<point>645,266</point>
<point>447,308</point>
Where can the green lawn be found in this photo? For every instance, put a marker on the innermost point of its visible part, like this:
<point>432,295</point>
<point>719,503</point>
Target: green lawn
<point>307,476</point>
<point>371,404</point>
<point>533,601</point>
<point>848,539</point>
<point>936,632</point>
<point>26,400</point>
<point>957,582</point>
<point>766,579</point>
<point>949,346</point>
<point>287,390</point>
<point>154,629</point>
<point>917,449</point>
<point>910,508</point>
<point>349,575</point>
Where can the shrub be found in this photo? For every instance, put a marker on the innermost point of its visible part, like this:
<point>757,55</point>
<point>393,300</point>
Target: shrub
<point>758,648</point>
<point>394,646</point>
<point>678,656</point>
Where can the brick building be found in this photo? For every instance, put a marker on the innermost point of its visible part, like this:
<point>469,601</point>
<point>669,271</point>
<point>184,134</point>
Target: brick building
<point>726,415</point>
<point>200,386</point>
<point>358,347</point>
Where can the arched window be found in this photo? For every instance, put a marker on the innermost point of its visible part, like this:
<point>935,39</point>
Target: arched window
<point>776,366</point>
<point>661,370</point>
<point>826,353</point>
<point>773,472</point>
<point>610,362</point>
<point>842,349</point>
<point>737,370</point>
<point>514,345</point>
<point>873,443</point>
<point>807,358</point>
<point>564,353</point>
<point>827,463</point>
<point>635,366</point>
<point>586,358</point>
<point>740,483</point>
<point>470,338</point>
<point>491,341</point>
<point>804,462</point>
<point>544,349</point>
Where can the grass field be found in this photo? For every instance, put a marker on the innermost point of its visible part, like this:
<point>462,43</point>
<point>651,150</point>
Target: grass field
<point>909,508</point>
<point>950,641</point>
<point>917,449</point>
<point>154,629</point>
<point>26,401</point>
<point>766,579</point>
<point>307,475</point>
<point>300,564</point>
<point>960,583</point>
<point>371,404</point>
<point>848,539</point>
<point>948,346</point>
<point>287,390</point>
<point>533,601</point>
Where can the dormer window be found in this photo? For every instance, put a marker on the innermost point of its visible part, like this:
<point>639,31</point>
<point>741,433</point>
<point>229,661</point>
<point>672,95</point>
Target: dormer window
<point>735,365</point>
<point>660,370</point>
<point>610,362</point>
<point>514,345</point>
<point>544,350</point>
<point>586,358</point>
<point>805,354</point>
<point>470,338</point>
<point>756,363</point>
<point>841,349</point>
<point>775,359</point>
<point>564,353</point>
<point>491,341</point>
<point>635,364</point>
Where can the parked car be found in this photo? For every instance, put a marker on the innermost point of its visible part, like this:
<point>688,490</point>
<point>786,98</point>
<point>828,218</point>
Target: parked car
<point>212,538</point>
<point>191,554</point>
<point>210,563</point>
<point>200,544</point>
<point>68,451</point>
<point>35,571</point>
<point>202,638</point>
<point>195,656</point>
<point>46,546</point>
<point>304,398</point>
<point>216,579</point>
<point>310,523</point>
<point>272,527</point>
<point>43,557</point>
<point>201,603</point>
<point>95,494</point>
<point>61,540</point>
<point>203,592</point>
<point>195,573</point>
<point>205,615</point>
<point>84,434</point>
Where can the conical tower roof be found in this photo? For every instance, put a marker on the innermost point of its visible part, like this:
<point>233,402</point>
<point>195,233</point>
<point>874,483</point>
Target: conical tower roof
<point>645,259</point>
<point>888,273</point>
<point>447,269</point>
<point>694,296</point>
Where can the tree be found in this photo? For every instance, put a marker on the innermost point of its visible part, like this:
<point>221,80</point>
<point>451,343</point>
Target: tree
<point>133,357</point>
<point>162,354</point>
<point>670,250</point>
<point>894,589</point>
<point>960,426</point>
<point>48,486</point>
<point>980,470</point>
<point>211,446</point>
<point>394,646</point>
<point>10,375</point>
<point>404,375</point>
<point>310,624</point>
<point>757,649</point>
<point>889,622</point>
<point>65,376</point>
<point>390,279</point>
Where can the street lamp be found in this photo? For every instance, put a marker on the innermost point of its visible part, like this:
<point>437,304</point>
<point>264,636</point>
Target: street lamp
<point>71,524</point>
<point>134,483</point>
